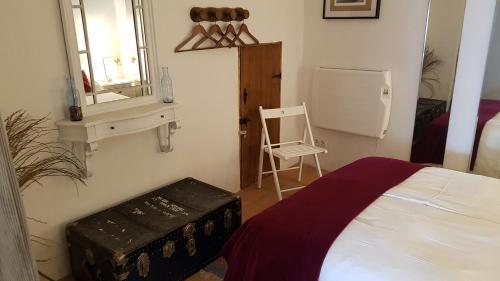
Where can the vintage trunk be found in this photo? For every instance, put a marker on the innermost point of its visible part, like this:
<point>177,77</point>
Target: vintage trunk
<point>168,234</point>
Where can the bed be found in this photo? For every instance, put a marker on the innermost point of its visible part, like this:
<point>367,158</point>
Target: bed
<point>430,146</point>
<point>376,219</point>
<point>488,155</point>
<point>105,97</point>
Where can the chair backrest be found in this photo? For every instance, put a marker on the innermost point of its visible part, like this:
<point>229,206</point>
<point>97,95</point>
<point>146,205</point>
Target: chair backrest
<point>282,112</point>
<point>275,113</point>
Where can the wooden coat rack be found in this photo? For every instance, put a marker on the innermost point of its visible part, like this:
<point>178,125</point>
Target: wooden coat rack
<point>217,37</point>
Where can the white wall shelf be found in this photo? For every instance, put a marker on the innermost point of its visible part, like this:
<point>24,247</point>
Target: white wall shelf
<point>86,134</point>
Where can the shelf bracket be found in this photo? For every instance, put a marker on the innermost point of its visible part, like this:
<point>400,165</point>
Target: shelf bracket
<point>85,151</point>
<point>90,148</point>
<point>165,133</point>
<point>84,135</point>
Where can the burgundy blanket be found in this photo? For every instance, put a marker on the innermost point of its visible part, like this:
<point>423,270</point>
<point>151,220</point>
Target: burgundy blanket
<point>289,241</point>
<point>431,146</point>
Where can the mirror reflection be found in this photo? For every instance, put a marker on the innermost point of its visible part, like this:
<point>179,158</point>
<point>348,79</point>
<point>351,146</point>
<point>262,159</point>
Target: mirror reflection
<point>438,77</point>
<point>486,154</point>
<point>112,47</point>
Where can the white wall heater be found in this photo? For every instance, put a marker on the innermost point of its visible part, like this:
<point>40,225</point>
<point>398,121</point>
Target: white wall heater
<point>352,101</point>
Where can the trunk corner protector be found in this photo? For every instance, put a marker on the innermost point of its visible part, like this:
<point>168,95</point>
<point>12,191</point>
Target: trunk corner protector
<point>120,259</point>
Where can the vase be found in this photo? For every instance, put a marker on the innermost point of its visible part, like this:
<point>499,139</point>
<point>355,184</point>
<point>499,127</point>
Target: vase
<point>75,105</point>
<point>166,86</point>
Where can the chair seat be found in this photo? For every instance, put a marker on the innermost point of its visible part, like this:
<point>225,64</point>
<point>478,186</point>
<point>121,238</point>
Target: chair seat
<point>292,151</point>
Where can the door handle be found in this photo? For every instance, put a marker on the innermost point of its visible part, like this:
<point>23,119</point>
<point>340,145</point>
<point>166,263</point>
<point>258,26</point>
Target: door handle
<point>277,76</point>
<point>243,134</point>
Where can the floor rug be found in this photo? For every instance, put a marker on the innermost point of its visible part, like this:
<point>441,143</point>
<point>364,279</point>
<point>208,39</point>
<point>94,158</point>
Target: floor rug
<point>213,272</point>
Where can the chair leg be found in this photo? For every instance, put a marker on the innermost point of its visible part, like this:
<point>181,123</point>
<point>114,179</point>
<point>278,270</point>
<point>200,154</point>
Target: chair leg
<point>275,175</point>
<point>261,161</point>
<point>300,168</point>
<point>317,165</point>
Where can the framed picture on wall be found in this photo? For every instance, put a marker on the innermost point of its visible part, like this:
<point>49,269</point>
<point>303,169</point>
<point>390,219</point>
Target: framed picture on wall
<point>351,9</point>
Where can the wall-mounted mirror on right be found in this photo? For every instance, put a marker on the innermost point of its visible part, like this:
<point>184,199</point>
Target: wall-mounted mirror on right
<point>442,47</point>
<point>485,159</point>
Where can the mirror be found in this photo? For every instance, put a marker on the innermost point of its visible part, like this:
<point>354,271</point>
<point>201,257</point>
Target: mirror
<point>485,158</point>
<point>443,37</point>
<point>112,49</point>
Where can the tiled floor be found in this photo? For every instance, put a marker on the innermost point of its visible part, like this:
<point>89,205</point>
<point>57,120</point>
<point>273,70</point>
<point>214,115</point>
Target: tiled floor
<point>256,200</point>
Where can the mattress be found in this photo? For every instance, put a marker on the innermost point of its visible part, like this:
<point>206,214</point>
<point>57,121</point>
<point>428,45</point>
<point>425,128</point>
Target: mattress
<point>436,225</point>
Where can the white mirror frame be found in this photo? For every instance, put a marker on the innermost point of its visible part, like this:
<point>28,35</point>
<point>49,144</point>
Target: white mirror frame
<point>75,66</point>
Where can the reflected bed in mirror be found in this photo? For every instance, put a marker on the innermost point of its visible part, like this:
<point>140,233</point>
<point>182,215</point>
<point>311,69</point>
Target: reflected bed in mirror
<point>112,48</point>
<point>438,77</point>
<point>486,154</point>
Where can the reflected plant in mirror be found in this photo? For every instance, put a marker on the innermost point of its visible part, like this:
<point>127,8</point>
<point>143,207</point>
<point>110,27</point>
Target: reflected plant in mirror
<point>112,48</point>
<point>444,32</point>
<point>430,77</point>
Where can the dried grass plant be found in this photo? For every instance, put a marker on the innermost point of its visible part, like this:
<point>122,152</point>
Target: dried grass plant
<point>35,159</point>
<point>429,76</point>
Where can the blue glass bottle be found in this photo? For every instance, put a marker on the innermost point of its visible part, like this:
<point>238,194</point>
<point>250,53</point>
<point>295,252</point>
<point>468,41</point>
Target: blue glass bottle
<point>74,102</point>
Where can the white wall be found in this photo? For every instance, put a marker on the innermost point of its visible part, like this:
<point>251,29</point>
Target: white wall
<point>444,32</point>
<point>491,87</point>
<point>205,82</point>
<point>394,42</point>
<point>476,34</point>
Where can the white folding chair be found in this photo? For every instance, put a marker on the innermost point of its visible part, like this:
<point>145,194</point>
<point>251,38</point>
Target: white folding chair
<point>287,150</point>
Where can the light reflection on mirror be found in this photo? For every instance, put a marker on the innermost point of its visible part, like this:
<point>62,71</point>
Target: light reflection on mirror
<point>486,153</point>
<point>112,47</point>
<point>444,32</point>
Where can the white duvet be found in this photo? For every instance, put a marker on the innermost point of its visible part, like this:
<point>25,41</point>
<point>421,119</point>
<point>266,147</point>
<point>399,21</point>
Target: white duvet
<point>437,225</point>
<point>488,153</point>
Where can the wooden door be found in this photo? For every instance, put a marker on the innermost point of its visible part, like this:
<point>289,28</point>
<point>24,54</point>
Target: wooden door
<point>260,85</point>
